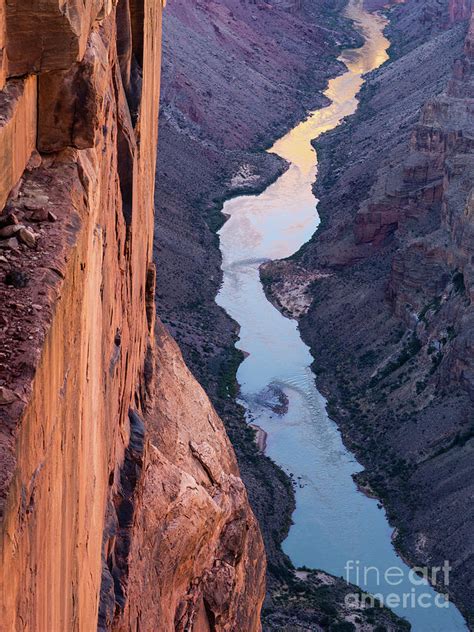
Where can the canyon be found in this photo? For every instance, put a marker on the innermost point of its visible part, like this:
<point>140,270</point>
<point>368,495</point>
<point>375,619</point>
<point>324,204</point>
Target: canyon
<point>204,158</point>
<point>427,40</point>
<point>274,75</point>
<point>133,492</point>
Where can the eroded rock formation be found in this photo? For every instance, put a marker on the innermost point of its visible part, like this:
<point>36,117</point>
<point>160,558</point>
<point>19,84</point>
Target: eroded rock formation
<point>193,539</point>
<point>121,502</point>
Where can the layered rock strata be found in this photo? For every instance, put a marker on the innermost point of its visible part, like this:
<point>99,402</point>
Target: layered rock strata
<point>121,502</point>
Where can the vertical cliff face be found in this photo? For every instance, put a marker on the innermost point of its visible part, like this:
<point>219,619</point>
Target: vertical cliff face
<point>121,503</point>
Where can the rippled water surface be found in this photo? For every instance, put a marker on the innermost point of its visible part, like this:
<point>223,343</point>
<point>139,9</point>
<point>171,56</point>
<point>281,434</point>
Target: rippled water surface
<point>333,523</point>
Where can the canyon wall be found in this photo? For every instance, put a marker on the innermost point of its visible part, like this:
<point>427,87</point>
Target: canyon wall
<point>390,317</point>
<point>121,502</point>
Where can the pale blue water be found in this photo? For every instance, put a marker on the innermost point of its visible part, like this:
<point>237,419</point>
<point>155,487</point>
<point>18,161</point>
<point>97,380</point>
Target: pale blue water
<point>334,523</point>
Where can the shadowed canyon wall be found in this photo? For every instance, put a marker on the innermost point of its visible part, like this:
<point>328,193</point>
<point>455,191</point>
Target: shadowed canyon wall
<point>121,502</point>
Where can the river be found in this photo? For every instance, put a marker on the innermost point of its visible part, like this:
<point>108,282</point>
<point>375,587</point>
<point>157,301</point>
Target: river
<point>336,528</point>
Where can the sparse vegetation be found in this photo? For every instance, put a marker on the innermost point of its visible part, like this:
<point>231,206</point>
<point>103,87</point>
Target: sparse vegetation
<point>227,385</point>
<point>411,348</point>
<point>433,306</point>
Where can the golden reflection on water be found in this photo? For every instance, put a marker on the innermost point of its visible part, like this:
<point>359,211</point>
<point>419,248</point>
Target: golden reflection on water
<point>296,147</point>
<point>275,223</point>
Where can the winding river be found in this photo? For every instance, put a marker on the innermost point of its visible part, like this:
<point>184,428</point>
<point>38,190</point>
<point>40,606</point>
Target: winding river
<point>336,527</point>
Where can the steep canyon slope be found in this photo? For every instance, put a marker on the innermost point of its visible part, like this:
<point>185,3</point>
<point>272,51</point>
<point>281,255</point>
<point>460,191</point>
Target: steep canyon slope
<point>233,74</point>
<point>121,503</point>
<point>391,322</point>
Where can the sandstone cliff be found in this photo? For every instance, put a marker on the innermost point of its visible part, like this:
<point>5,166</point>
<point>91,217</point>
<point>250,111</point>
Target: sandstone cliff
<point>120,498</point>
<point>390,316</point>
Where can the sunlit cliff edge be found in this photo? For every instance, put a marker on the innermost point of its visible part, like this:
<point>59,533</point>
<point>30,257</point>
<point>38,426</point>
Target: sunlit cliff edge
<point>121,502</point>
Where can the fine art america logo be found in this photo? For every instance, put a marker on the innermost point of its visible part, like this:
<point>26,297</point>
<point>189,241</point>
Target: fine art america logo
<point>412,591</point>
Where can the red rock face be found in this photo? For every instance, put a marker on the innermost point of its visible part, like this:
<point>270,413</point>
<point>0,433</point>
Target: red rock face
<point>64,26</point>
<point>193,540</point>
<point>121,503</point>
<point>17,131</point>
